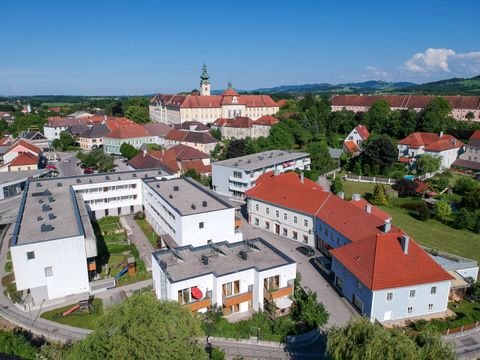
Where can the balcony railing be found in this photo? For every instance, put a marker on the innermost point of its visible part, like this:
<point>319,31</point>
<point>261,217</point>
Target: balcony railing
<point>278,293</point>
<point>199,304</point>
<point>237,299</point>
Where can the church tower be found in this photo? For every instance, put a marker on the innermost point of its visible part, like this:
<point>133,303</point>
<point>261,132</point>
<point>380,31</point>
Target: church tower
<point>204,83</point>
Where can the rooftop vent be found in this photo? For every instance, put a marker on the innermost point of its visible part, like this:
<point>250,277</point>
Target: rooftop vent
<point>39,184</point>
<point>145,176</point>
<point>107,177</point>
<point>159,172</point>
<point>134,175</point>
<point>46,228</point>
<point>79,181</point>
<point>39,218</point>
<point>119,178</point>
<point>249,161</point>
<point>40,201</point>
<point>158,186</point>
<point>90,181</point>
<point>59,184</point>
<point>243,255</point>
<point>170,196</point>
<point>46,207</point>
<point>193,206</point>
<point>51,216</point>
<point>51,199</point>
<point>204,259</point>
<point>176,188</point>
<point>204,203</point>
<point>235,164</point>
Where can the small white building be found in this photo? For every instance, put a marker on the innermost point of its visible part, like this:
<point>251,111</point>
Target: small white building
<point>184,212</point>
<point>237,277</point>
<point>353,142</point>
<point>235,176</point>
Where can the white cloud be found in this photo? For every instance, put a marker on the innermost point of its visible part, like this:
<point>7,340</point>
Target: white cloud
<point>438,61</point>
<point>377,71</point>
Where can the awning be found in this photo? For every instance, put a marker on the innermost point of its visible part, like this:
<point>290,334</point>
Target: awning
<point>197,293</point>
<point>459,282</point>
<point>283,302</point>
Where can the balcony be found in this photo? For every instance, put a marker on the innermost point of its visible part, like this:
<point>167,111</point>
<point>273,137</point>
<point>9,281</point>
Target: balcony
<point>245,179</point>
<point>199,304</point>
<point>271,295</point>
<point>237,299</point>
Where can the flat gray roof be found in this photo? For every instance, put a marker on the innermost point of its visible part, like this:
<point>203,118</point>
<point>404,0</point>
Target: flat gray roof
<point>187,197</point>
<point>56,196</point>
<point>261,160</point>
<point>223,258</point>
<point>12,176</point>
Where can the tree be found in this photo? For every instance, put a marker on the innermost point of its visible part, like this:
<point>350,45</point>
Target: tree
<point>319,156</point>
<point>308,310</point>
<point>428,164</point>
<point>337,185</point>
<point>435,117</point>
<point>138,114</point>
<point>377,117</point>
<point>15,343</point>
<point>236,148</point>
<point>471,200</point>
<point>379,150</point>
<point>379,197</point>
<point>440,182</point>
<point>363,340</point>
<point>442,210</point>
<point>470,116</point>
<point>464,185</point>
<point>405,188</point>
<point>129,151</point>
<point>216,133</point>
<point>141,328</point>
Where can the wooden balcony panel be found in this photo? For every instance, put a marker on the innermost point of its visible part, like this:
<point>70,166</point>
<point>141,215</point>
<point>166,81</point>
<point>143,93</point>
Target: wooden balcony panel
<point>237,299</point>
<point>200,304</point>
<point>275,294</point>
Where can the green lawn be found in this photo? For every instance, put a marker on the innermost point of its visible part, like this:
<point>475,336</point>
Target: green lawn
<point>351,187</point>
<point>77,319</point>
<point>8,267</point>
<point>436,235</point>
<point>148,231</point>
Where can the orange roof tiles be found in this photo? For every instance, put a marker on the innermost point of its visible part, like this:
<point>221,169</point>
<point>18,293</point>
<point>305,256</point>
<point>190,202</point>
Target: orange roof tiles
<point>362,130</point>
<point>380,263</point>
<point>418,139</point>
<point>351,146</point>
<point>362,204</point>
<point>213,101</point>
<point>128,131</point>
<point>446,142</point>
<point>26,145</point>
<point>184,152</point>
<point>24,159</point>
<point>266,120</point>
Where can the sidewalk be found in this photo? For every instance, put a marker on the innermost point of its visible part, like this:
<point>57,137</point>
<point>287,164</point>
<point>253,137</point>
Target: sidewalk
<point>145,248</point>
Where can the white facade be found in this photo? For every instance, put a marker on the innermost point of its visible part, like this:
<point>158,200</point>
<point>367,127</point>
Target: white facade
<point>53,132</point>
<point>447,156</point>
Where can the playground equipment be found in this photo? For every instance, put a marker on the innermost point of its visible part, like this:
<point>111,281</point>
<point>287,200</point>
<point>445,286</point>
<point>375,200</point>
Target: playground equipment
<point>83,306</point>
<point>121,273</point>
<point>132,266</point>
<point>71,310</point>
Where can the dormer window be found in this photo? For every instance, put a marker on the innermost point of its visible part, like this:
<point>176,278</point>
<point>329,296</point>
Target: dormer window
<point>234,100</point>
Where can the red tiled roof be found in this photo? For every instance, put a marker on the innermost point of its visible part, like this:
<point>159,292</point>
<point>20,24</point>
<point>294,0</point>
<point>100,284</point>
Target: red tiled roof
<point>282,102</point>
<point>176,135</point>
<point>351,146</point>
<point>157,129</point>
<point>475,135</point>
<point>196,165</point>
<point>418,139</point>
<point>114,122</point>
<point>446,142</point>
<point>405,160</point>
<point>6,140</point>
<point>155,159</point>
<point>266,120</point>
<point>380,263</point>
<point>23,159</point>
<point>362,204</point>
<point>184,152</point>
<point>213,101</point>
<point>466,164</point>
<point>25,144</point>
<point>362,131</point>
<point>229,92</point>
<point>288,191</point>
<point>221,121</point>
<point>128,131</point>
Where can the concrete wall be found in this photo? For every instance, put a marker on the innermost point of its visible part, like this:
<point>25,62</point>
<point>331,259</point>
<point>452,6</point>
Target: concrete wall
<point>217,226</point>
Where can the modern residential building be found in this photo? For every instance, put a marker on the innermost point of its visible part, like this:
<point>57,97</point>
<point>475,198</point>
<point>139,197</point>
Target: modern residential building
<point>206,108</point>
<point>184,212</point>
<point>353,142</point>
<point>470,159</point>
<point>462,106</point>
<point>237,277</point>
<point>235,176</point>
<point>202,141</point>
<point>12,183</point>
<point>244,127</point>
<point>376,266</point>
<point>444,146</point>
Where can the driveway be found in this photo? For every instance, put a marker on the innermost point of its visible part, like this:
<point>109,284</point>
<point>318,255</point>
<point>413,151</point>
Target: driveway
<point>144,247</point>
<point>340,312</point>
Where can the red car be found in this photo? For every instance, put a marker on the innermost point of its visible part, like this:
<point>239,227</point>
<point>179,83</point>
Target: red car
<point>88,171</point>
<point>51,167</point>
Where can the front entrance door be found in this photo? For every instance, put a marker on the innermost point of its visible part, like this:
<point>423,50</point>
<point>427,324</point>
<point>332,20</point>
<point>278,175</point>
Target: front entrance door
<point>277,229</point>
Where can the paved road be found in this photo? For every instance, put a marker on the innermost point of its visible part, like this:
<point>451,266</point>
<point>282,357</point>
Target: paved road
<point>144,247</point>
<point>324,183</point>
<point>340,312</point>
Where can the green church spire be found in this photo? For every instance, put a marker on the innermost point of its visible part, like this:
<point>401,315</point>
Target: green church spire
<point>204,75</point>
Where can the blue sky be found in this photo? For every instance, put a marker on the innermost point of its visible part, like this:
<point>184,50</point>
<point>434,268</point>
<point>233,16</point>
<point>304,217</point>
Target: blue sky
<point>104,47</point>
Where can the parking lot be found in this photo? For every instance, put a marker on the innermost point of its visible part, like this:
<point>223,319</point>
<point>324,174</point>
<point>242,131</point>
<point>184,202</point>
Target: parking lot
<point>340,311</point>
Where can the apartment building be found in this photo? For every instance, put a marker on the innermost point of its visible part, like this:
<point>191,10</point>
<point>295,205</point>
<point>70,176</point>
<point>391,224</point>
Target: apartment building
<point>235,176</point>
<point>244,127</point>
<point>470,159</point>
<point>237,277</point>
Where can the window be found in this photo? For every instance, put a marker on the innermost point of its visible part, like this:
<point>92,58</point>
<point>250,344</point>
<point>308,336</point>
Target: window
<point>184,296</point>
<point>305,239</point>
<point>433,290</point>
<point>201,225</point>
<point>390,296</point>
<point>430,307</point>
<point>295,219</point>
<point>295,235</point>
<point>231,288</point>
<point>305,223</point>
<point>48,271</point>
<point>285,216</point>
<point>257,221</point>
<point>106,212</point>
<point>237,174</point>
<point>256,207</point>
<point>285,232</point>
<point>272,283</point>
<point>412,293</point>
<point>267,225</point>
<point>410,310</point>
<point>30,255</point>
<point>267,210</point>
<point>277,213</point>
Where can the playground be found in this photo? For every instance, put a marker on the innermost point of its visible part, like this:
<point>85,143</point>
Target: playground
<point>117,257</point>
<point>83,314</point>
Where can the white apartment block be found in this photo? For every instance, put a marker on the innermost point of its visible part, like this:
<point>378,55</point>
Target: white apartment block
<point>235,176</point>
<point>236,277</point>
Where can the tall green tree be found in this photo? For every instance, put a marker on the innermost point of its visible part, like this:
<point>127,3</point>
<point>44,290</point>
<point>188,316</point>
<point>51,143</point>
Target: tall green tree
<point>428,164</point>
<point>129,151</point>
<point>442,210</point>
<point>319,156</point>
<point>138,114</point>
<point>379,197</point>
<point>379,151</point>
<point>435,116</point>
<point>377,117</point>
<point>143,328</point>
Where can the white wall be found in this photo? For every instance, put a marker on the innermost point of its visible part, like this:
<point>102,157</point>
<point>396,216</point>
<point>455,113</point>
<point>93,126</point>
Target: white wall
<point>67,257</point>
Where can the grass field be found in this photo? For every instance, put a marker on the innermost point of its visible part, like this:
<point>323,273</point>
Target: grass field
<point>77,319</point>
<point>351,187</point>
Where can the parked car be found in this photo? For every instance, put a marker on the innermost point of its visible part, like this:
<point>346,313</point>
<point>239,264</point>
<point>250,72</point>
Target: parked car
<point>88,170</point>
<point>51,167</point>
<point>322,263</point>
<point>306,250</point>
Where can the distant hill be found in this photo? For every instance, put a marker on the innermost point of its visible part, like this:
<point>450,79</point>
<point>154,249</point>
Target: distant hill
<point>454,86</point>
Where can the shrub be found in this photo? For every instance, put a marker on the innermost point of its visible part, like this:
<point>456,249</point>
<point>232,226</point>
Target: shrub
<point>379,197</point>
<point>405,188</point>
<point>140,215</point>
<point>337,185</point>
<point>442,210</point>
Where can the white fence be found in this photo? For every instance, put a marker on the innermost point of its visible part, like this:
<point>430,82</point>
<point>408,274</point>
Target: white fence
<point>370,179</point>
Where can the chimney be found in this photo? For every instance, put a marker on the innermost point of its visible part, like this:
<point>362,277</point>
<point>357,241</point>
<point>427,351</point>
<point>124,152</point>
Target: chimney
<point>144,152</point>
<point>441,133</point>
<point>387,226</point>
<point>356,197</point>
<point>341,195</point>
<point>368,208</point>
<point>105,117</point>
<point>276,172</point>
<point>301,177</point>
<point>405,240</point>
